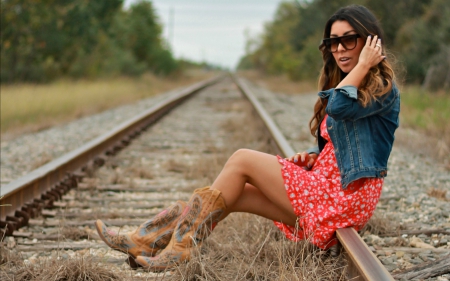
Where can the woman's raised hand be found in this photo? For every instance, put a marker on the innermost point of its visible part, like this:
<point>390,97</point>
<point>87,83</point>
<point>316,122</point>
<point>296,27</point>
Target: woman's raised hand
<point>372,53</point>
<point>303,159</point>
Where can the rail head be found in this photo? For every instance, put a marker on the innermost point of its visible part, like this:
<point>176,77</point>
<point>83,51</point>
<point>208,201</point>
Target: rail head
<point>362,258</point>
<point>363,264</point>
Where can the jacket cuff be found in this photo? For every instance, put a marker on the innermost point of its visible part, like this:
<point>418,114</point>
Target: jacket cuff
<point>326,93</point>
<point>313,150</point>
<point>349,91</point>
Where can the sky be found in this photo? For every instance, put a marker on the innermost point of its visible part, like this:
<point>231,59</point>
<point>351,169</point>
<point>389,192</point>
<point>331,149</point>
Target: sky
<point>212,30</point>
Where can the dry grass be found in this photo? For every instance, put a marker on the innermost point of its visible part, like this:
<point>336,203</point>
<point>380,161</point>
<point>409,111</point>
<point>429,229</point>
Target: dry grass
<point>207,168</point>
<point>6,256</point>
<point>31,107</point>
<point>140,171</point>
<point>176,166</point>
<point>74,233</point>
<point>59,266</point>
<point>246,247</point>
<point>280,84</point>
<point>380,225</point>
<point>79,267</point>
<point>440,194</point>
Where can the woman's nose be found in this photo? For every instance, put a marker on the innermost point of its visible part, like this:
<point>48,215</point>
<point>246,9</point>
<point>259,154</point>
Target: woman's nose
<point>340,47</point>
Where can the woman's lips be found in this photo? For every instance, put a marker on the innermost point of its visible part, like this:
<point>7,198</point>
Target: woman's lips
<point>344,61</point>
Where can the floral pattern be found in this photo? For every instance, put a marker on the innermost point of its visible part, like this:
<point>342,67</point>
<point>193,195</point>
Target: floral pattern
<point>319,201</point>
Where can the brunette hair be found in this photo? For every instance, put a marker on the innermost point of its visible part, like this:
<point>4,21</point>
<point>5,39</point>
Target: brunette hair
<point>378,80</point>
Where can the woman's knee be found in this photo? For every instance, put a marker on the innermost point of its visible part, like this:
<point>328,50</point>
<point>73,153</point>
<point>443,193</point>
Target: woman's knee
<point>240,156</point>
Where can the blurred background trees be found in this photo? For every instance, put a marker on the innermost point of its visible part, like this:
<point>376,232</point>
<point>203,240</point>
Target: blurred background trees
<point>46,39</point>
<point>417,32</point>
<point>42,40</point>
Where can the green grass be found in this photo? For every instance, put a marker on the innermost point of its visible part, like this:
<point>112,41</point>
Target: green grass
<point>428,114</point>
<point>31,107</point>
<point>425,110</point>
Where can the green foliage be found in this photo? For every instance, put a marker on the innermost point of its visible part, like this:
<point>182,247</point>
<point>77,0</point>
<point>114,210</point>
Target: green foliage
<point>275,54</point>
<point>426,110</point>
<point>417,31</point>
<point>143,38</point>
<point>424,46</point>
<point>45,39</point>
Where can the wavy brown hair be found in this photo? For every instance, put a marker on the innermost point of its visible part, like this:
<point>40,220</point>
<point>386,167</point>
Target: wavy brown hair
<point>378,80</point>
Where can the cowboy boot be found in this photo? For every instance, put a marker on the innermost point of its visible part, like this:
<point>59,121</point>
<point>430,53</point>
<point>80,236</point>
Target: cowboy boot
<point>148,238</point>
<point>199,218</point>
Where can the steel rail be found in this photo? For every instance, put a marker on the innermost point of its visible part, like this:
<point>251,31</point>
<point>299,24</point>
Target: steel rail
<point>362,263</point>
<point>18,199</point>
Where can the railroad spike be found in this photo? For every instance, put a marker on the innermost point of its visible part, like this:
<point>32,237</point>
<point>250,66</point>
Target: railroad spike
<point>70,181</point>
<point>39,204</point>
<point>57,192</point>
<point>49,198</point>
<point>62,188</point>
<point>8,227</point>
<point>99,161</point>
<point>30,210</point>
<point>18,221</point>
<point>24,215</point>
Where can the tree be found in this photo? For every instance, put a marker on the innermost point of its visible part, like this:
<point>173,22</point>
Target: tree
<point>423,45</point>
<point>45,39</point>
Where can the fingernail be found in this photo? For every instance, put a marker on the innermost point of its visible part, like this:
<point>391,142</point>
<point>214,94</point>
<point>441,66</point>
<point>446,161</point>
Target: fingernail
<point>384,57</point>
<point>295,160</point>
<point>309,165</point>
<point>369,35</point>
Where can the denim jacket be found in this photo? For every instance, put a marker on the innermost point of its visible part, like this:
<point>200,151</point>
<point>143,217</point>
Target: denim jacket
<point>362,136</point>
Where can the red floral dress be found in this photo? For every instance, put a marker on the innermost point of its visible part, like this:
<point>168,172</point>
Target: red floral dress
<point>319,201</point>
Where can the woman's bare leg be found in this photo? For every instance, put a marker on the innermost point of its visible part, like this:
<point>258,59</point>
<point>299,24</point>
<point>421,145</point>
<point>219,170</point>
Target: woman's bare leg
<point>252,199</point>
<point>251,182</point>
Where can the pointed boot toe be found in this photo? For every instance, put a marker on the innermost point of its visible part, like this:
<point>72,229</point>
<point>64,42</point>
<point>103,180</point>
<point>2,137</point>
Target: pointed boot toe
<point>161,263</point>
<point>119,242</point>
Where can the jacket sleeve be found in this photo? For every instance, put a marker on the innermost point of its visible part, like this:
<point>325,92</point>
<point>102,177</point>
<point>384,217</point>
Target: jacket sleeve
<point>343,103</point>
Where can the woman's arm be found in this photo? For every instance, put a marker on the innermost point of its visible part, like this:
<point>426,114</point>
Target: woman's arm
<point>343,103</point>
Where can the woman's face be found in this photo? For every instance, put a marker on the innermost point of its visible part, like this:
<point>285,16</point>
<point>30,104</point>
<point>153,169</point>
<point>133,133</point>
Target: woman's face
<point>346,59</point>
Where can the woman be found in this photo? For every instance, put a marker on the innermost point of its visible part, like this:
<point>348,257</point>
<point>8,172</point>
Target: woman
<point>335,185</point>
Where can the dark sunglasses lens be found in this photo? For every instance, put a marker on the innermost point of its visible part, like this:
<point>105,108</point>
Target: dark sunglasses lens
<point>331,44</point>
<point>334,44</point>
<point>348,42</point>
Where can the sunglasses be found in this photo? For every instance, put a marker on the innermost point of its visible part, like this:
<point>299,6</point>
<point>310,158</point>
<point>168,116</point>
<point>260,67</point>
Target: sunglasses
<point>347,41</point>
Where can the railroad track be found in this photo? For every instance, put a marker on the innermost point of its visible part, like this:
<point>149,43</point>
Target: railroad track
<point>72,191</point>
